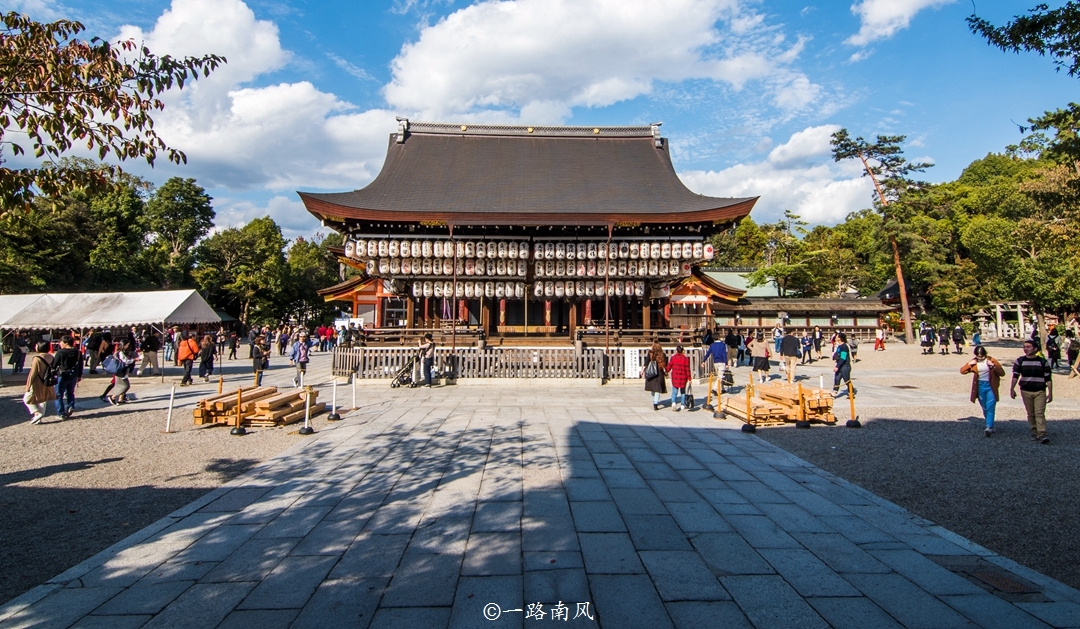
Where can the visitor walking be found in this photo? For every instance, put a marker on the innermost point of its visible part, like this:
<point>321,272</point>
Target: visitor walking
<point>282,340</point>
<point>943,339</point>
<point>260,358</point>
<point>789,349</point>
<point>186,352</point>
<point>679,370</point>
<point>879,339</point>
<point>715,362</point>
<point>125,354</point>
<point>1053,348</point>
<point>68,367</point>
<point>149,346</point>
<point>958,338</point>
<point>427,348</point>
<point>38,392</point>
<point>819,339</point>
<point>234,341</point>
<point>1072,352</point>
<point>1033,374</point>
<point>807,342</point>
<point>170,344</point>
<point>656,367</point>
<point>206,358</point>
<point>732,343</point>
<point>985,384</point>
<point>759,355</point>
<point>741,348</point>
<point>777,337</point>
<point>19,349</point>
<point>841,363</point>
<point>299,357</point>
<point>222,338</point>
<point>927,338</point>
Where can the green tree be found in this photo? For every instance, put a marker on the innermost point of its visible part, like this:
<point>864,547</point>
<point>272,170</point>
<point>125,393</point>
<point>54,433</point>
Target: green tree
<point>178,214</point>
<point>61,91</point>
<point>311,267</point>
<point>45,250</point>
<point>884,163</point>
<point>743,246</point>
<point>244,271</point>
<point>784,257</point>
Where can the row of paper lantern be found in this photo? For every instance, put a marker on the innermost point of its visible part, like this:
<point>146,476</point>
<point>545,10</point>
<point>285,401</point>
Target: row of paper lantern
<point>516,290</point>
<point>622,268</point>
<point>521,250</point>
<point>427,266</point>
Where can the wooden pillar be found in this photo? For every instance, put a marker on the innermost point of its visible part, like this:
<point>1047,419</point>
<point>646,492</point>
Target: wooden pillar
<point>378,313</point>
<point>622,311</point>
<point>573,318</point>
<point>646,314</point>
<point>485,316</point>
<point>547,312</point>
<point>463,311</point>
<point>588,311</point>
<point>502,312</point>
<point>410,312</point>
<point>667,313</point>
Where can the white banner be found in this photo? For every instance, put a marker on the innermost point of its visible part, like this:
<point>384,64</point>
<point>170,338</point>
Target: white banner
<point>633,362</point>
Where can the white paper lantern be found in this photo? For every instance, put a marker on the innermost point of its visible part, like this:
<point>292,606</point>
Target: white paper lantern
<point>395,266</point>
<point>635,251</point>
<point>508,288</point>
<point>519,290</point>
<point>579,289</point>
<point>549,268</point>
<point>429,289</point>
<point>663,267</point>
<point>549,251</point>
<point>460,267</point>
<point>500,267</point>
<point>373,248</point>
<point>480,268</point>
<point>624,250</point>
<point>470,249</point>
<point>582,268</point>
<point>687,251</point>
<point>523,251</point>
<point>417,289</point>
<point>522,268</point>
<point>459,290</point>
<point>361,249</point>
<point>590,269</point>
<point>560,251</point>
<point>591,251</point>
<point>436,289</point>
<point>685,269</point>
<point>350,248</point>
<point>665,250</point>
<point>394,249</point>
<point>654,267</point>
<point>489,289</point>
<point>436,267</point>
<point>493,249</point>
<point>560,290</point>
<point>698,250</point>
<point>459,249</point>
<point>502,249</point>
<point>406,266</point>
<point>613,251</point>
<point>384,249</point>
<point>512,252</point>
<point>469,290</point>
<point>676,251</point>
<point>708,251</point>
<point>384,266</point>
<point>448,267</point>
<point>644,248</point>
<point>448,289</point>
<point>590,289</point>
<point>631,268</point>
<point>416,250</point>
<point>675,268</point>
<point>540,266</point>
<point>643,268</point>
<point>622,268</point>
<point>427,249</point>
<point>601,268</point>
<point>549,289</point>
<point>425,267</point>
<point>582,251</point>
<point>436,249</point>
<point>601,290</point>
<point>571,268</point>
<point>639,289</point>
<point>538,289</point>
<point>470,267</point>
<point>538,251</point>
<point>560,268</point>
<point>500,290</point>
<point>617,287</point>
<point>654,251</point>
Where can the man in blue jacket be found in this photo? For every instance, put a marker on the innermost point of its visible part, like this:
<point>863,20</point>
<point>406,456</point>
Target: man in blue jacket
<point>715,359</point>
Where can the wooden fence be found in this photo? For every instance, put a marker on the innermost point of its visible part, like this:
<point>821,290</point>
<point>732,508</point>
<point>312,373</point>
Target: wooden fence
<point>369,363</point>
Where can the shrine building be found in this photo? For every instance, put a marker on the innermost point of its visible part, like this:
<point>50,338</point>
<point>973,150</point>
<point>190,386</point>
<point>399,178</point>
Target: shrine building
<point>528,233</point>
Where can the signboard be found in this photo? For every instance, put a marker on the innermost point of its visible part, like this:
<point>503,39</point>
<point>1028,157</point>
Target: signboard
<point>633,362</point>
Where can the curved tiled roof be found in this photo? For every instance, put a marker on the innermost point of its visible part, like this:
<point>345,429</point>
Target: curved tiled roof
<point>504,174</point>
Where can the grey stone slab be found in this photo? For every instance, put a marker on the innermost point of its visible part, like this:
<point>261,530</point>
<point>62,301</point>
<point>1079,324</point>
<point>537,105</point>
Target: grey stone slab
<point>627,601</point>
<point>584,489</point>
<point>728,472</point>
<point>682,576</point>
<point>707,615</point>
<point>906,602</point>
<point>643,455</point>
<point>728,554</point>
<point>757,492</point>
<point>202,605</point>
<point>294,522</point>
<point>341,603</point>
<point>597,517</point>
<point>111,622</point>
<point>237,499</point>
<point>474,594</point>
<point>610,553</point>
<point>631,501</point>
<point>358,505</point>
<point>329,537</point>
<point>840,554</point>
<point>498,489</point>
<point>552,586</point>
<point>702,479</point>
<point>396,517</point>
<point>412,618</point>
<point>683,462</point>
<point>189,529</point>
<point>925,573</point>
<point>497,517</point>
<point>552,560</point>
<point>177,571</point>
<point>675,491</point>
<point>291,583</point>
<point>61,608</point>
<point>852,613</point>
<point>492,554</point>
<point>218,543</point>
<point>623,479</point>
<point>857,530</point>
<point>149,599</point>
<point>1056,613</point>
<point>698,517</point>
<point>423,580</point>
<point>131,564</point>
<point>760,532</point>
<point>793,518</point>
<point>261,618</point>
<point>770,603</point>
<point>656,532</point>
<point>814,503</point>
<point>550,533</point>
<point>371,556</point>
<point>252,561</point>
<point>441,535</point>
<point>542,502</point>
<point>657,471</point>
<point>806,573</point>
<point>991,612</point>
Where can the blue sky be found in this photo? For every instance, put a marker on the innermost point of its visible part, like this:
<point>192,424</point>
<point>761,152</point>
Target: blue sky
<point>748,90</point>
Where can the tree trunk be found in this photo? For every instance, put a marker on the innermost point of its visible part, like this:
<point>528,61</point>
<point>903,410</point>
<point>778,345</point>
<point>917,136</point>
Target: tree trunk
<point>1040,325</point>
<point>909,334</point>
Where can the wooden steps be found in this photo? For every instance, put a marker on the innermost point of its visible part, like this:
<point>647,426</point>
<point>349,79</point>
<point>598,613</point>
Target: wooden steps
<point>776,403</point>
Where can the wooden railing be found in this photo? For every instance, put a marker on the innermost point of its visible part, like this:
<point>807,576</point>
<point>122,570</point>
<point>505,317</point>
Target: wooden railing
<point>370,363</point>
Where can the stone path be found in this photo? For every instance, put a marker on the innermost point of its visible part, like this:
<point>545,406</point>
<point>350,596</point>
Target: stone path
<point>432,508</point>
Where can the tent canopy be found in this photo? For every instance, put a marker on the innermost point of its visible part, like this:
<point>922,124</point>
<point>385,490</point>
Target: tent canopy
<point>96,310</point>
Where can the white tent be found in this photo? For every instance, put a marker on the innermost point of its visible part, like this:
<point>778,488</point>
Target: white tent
<point>96,310</point>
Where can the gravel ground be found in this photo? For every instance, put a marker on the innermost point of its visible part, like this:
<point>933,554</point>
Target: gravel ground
<point>69,489</point>
<point>1015,497</point>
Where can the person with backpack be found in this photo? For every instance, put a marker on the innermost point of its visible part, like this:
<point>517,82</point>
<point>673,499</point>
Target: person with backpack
<point>299,357</point>
<point>927,338</point>
<point>958,337</point>
<point>206,358</point>
<point>150,346</point>
<point>943,339</point>
<point>125,357</point>
<point>40,384</point>
<point>732,343</point>
<point>260,358</point>
<point>68,366</point>
<point>1053,348</point>
<point>186,352</point>
<point>654,370</point>
<point>841,364</point>
<point>93,347</point>
<point>679,369</point>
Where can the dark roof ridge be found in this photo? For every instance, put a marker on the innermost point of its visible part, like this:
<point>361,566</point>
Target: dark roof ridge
<point>646,131</point>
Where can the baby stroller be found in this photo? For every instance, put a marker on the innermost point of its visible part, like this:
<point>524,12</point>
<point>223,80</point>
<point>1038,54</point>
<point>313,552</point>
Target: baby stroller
<point>404,376</point>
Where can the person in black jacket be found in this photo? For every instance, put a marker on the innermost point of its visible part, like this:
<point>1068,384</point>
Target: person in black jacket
<point>842,364</point>
<point>943,339</point>
<point>150,345</point>
<point>789,349</point>
<point>68,364</point>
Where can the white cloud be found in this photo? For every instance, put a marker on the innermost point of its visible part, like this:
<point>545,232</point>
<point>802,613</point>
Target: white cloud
<point>40,10</point>
<point>350,68</point>
<point>288,213</point>
<point>544,57</point>
<point>277,137</point>
<point>881,19</point>
<point>798,175</point>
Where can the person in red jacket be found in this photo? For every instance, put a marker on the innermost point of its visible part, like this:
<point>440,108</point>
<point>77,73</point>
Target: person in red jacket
<point>679,370</point>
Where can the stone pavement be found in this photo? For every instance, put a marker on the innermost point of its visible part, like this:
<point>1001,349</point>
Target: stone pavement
<point>466,506</point>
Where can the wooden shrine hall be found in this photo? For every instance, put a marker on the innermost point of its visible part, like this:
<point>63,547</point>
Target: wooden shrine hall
<point>520,234</point>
